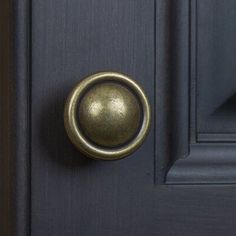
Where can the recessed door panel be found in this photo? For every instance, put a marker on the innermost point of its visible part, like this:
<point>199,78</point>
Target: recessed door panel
<point>216,70</point>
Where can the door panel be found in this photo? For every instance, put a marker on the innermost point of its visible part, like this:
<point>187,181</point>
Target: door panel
<point>72,195</point>
<point>216,83</point>
<point>210,101</point>
<point>151,192</point>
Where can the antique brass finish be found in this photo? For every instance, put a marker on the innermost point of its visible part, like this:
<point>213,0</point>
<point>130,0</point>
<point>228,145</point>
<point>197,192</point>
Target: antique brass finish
<point>107,116</point>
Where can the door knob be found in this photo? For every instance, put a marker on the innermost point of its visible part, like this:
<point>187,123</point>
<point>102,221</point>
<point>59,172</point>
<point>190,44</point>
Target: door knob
<point>107,116</point>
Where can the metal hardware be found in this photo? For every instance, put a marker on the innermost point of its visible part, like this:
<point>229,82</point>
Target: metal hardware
<point>107,116</point>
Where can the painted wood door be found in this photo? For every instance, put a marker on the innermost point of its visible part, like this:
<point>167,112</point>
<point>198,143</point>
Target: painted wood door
<point>181,181</point>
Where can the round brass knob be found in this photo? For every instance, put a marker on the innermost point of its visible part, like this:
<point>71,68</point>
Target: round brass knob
<point>107,116</point>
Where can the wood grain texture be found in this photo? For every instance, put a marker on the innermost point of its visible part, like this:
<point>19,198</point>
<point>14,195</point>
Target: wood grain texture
<point>14,118</point>
<point>72,195</point>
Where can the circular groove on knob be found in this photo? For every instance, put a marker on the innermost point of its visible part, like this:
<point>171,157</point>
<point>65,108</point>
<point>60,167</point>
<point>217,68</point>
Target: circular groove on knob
<point>107,116</point>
